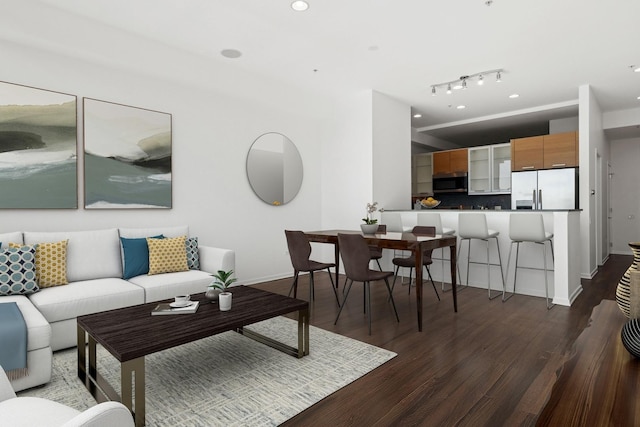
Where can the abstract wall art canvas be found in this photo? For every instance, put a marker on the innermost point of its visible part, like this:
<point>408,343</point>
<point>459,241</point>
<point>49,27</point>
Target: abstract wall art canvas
<point>38,148</point>
<point>127,157</point>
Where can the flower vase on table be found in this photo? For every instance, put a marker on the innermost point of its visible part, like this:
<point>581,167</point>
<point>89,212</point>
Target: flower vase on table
<point>370,225</point>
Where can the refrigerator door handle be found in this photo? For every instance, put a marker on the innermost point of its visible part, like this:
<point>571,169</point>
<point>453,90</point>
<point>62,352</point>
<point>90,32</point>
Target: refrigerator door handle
<point>540,199</point>
<point>535,200</point>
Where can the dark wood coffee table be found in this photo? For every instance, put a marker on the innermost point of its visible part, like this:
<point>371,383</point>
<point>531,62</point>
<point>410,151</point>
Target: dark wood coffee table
<point>131,333</point>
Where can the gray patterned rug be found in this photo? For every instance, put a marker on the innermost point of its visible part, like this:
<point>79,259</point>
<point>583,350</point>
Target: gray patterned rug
<point>229,379</point>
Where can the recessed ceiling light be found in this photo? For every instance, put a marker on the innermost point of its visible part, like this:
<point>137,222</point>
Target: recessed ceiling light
<point>417,116</point>
<point>514,95</point>
<point>461,107</point>
<point>299,6</point>
<point>231,53</point>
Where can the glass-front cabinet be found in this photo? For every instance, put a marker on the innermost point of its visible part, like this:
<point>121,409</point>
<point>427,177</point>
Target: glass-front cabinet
<point>421,176</point>
<point>490,169</point>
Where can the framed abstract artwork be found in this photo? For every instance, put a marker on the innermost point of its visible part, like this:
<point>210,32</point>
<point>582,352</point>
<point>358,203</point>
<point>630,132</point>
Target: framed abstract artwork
<point>127,157</point>
<point>38,148</point>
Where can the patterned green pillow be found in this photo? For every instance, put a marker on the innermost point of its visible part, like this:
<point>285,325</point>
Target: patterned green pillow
<point>193,259</point>
<point>18,271</point>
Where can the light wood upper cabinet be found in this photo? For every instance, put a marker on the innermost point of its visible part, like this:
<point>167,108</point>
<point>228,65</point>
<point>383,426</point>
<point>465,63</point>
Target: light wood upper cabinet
<point>450,161</point>
<point>561,150</point>
<point>459,160</point>
<point>527,153</point>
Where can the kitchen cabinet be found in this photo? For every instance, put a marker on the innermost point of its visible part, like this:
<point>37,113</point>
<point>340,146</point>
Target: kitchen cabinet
<point>527,153</point>
<point>450,161</point>
<point>545,151</point>
<point>490,169</point>
<point>561,150</point>
<point>421,172</point>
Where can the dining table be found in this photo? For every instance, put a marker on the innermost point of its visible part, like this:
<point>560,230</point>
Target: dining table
<point>407,241</point>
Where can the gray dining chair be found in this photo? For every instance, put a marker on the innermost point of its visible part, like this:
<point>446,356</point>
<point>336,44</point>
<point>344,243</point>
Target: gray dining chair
<point>410,261</point>
<point>355,257</point>
<point>299,252</point>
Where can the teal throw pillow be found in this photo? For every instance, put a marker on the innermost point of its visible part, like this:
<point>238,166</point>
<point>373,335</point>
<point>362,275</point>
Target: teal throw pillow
<point>18,271</point>
<point>136,256</point>
<point>193,259</point>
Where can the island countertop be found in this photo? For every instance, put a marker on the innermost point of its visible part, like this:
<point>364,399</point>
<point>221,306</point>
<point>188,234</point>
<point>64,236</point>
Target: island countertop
<point>564,280</point>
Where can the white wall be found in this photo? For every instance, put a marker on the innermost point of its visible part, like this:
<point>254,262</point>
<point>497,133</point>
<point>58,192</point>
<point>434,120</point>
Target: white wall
<point>593,150</point>
<point>212,133</point>
<point>625,194</point>
<point>347,163</point>
<point>568,124</point>
<point>391,152</point>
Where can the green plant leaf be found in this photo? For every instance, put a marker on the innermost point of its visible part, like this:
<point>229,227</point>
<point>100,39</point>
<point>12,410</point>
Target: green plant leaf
<point>223,280</point>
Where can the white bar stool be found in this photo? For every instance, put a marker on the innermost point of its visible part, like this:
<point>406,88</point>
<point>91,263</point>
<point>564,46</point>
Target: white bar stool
<point>529,227</point>
<point>433,219</point>
<point>474,226</point>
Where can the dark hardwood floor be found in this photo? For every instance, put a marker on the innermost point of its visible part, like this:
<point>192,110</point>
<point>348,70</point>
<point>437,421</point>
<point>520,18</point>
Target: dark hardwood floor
<point>490,364</point>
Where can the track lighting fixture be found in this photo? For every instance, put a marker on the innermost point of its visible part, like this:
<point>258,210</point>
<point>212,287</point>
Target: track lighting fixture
<point>461,82</point>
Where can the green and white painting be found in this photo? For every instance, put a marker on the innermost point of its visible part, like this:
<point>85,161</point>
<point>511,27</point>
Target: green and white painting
<point>38,148</point>
<point>127,156</point>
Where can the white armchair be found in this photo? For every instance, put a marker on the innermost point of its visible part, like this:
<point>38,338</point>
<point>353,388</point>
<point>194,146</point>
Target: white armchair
<point>35,411</point>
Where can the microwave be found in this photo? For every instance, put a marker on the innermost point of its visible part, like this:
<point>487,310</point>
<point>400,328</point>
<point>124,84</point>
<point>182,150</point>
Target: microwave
<point>450,183</point>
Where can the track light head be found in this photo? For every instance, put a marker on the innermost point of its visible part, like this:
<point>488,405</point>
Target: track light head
<point>480,80</point>
<point>433,91</point>
<point>498,77</point>
<point>449,89</point>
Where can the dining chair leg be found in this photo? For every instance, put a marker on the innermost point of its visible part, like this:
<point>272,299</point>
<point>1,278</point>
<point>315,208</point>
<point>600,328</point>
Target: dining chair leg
<point>294,285</point>
<point>364,298</point>
<point>343,302</point>
<point>410,278</point>
<point>312,292</point>
<point>367,293</point>
<point>395,276</point>
<point>393,303</point>
<point>379,267</point>
<point>432,284</point>
<point>333,287</point>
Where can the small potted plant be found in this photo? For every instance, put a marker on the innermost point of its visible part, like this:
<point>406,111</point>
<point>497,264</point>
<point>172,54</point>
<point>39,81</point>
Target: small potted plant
<point>370,225</point>
<point>220,285</point>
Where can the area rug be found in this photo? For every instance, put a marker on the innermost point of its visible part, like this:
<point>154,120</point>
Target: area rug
<point>229,379</point>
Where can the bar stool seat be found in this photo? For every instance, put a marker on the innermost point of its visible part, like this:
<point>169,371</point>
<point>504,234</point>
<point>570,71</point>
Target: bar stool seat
<point>529,228</point>
<point>474,226</point>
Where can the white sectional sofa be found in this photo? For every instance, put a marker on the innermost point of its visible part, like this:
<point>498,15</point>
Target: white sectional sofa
<point>95,274</point>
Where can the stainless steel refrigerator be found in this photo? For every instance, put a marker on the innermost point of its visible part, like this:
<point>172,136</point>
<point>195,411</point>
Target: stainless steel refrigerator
<point>545,189</point>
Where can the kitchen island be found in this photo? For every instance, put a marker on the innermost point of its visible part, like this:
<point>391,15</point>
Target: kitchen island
<point>564,280</point>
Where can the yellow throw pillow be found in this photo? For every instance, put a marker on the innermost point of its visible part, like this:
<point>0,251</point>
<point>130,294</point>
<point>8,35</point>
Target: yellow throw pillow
<point>167,255</point>
<point>51,263</point>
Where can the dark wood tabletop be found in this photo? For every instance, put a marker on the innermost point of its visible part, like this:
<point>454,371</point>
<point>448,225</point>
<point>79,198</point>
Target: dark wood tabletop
<point>600,384</point>
<point>132,332</point>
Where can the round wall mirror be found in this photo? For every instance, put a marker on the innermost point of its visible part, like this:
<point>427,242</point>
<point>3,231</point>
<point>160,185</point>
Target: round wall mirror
<point>274,168</point>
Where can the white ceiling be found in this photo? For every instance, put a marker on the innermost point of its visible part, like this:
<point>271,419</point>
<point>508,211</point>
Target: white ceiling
<point>547,48</point>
